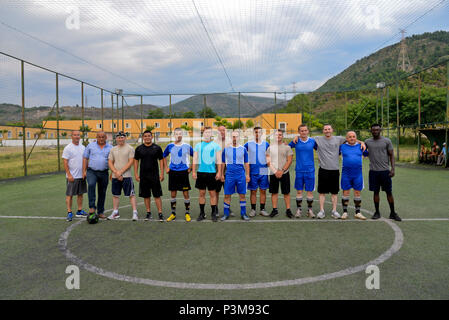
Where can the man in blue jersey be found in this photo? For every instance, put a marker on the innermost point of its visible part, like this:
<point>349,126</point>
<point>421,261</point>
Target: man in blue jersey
<point>178,172</point>
<point>235,158</point>
<point>258,171</point>
<point>206,154</point>
<point>305,170</point>
<point>351,174</point>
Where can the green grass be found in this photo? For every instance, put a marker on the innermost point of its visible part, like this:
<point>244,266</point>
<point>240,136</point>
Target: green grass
<point>33,267</point>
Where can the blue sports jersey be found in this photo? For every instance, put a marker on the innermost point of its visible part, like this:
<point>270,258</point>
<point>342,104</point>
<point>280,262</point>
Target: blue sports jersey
<point>352,157</point>
<point>179,156</point>
<point>304,155</point>
<point>235,158</point>
<point>257,158</point>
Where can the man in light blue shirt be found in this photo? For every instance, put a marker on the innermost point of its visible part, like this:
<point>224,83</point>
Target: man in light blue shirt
<point>95,169</point>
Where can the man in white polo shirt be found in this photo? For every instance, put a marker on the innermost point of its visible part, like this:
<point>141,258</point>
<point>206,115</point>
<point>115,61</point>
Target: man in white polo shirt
<point>73,165</point>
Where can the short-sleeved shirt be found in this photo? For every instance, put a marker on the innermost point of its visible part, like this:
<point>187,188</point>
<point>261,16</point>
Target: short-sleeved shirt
<point>207,152</point>
<point>179,156</point>
<point>352,157</point>
<point>120,157</point>
<point>379,159</point>
<point>74,154</point>
<point>148,156</point>
<point>257,159</point>
<point>279,155</point>
<point>98,157</point>
<point>235,159</point>
<point>328,150</point>
<point>304,155</point>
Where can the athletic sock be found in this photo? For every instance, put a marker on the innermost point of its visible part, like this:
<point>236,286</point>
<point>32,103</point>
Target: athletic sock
<point>262,206</point>
<point>214,209</point>
<point>309,203</point>
<point>202,205</point>
<point>243,208</point>
<point>391,207</point>
<point>173,205</point>
<point>298,202</point>
<point>226,209</point>
<point>344,203</point>
<point>253,206</point>
<point>115,211</point>
<point>376,205</point>
<point>187,205</point>
<point>357,204</point>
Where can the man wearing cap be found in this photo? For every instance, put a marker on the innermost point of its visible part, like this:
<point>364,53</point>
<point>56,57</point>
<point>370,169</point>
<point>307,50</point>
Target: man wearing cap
<point>95,169</point>
<point>121,158</point>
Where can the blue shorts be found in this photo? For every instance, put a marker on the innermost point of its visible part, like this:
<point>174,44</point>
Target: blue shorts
<point>235,184</point>
<point>258,181</point>
<point>305,181</point>
<point>353,180</point>
<point>126,184</point>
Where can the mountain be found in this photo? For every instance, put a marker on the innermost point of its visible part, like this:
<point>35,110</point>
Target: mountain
<point>225,105</point>
<point>423,50</point>
<point>12,113</point>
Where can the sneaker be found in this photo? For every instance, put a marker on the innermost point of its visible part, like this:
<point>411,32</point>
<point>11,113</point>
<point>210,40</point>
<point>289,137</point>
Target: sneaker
<point>172,217</point>
<point>335,215</point>
<point>310,214</point>
<point>81,214</point>
<point>161,217</point>
<point>252,213</point>
<point>69,216</point>
<point>289,213</point>
<point>395,216</point>
<point>201,217</point>
<point>148,216</point>
<point>102,216</point>
<point>264,213</point>
<point>376,216</point>
<point>360,216</point>
<point>114,216</point>
<point>320,215</point>
<point>188,218</point>
<point>273,213</point>
<point>344,216</point>
<point>245,217</point>
<point>135,217</point>
<point>224,218</point>
<point>298,213</point>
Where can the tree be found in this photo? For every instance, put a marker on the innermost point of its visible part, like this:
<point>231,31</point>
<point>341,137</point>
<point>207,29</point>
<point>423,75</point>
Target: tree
<point>189,115</point>
<point>156,114</point>
<point>249,123</point>
<point>238,124</point>
<point>207,113</point>
<point>186,128</point>
<point>219,121</point>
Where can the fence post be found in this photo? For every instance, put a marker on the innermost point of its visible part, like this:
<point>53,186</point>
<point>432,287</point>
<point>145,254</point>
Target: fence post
<point>397,120</point>
<point>82,111</point>
<point>57,122</point>
<point>419,113</point>
<point>388,112</point>
<point>123,115</point>
<point>23,118</point>
<point>447,113</point>
<point>112,116</point>
<point>275,118</point>
<point>239,109</point>
<point>141,116</point>
<point>102,112</point>
<point>169,113</point>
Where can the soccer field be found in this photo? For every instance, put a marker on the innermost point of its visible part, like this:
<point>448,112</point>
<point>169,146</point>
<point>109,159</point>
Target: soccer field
<point>266,258</point>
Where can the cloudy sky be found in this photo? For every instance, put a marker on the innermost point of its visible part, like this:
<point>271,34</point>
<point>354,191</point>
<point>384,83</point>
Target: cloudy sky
<point>196,46</point>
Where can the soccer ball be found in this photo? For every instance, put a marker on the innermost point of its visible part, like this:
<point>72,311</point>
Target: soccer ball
<point>92,218</point>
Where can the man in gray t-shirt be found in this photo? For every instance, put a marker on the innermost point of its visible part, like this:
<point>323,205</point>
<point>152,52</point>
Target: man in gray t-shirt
<point>381,155</point>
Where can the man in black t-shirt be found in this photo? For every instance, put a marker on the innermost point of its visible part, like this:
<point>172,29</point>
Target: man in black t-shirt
<point>150,176</point>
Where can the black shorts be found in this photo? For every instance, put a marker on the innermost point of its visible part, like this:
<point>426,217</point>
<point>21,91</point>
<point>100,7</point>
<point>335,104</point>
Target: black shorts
<point>218,185</point>
<point>178,180</point>
<point>378,179</point>
<point>328,181</point>
<point>284,181</point>
<point>206,180</point>
<point>126,184</point>
<point>150,186</point>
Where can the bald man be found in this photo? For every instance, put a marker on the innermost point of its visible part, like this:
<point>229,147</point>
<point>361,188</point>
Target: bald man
<point>95,169</point>
<point>352,175</point>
